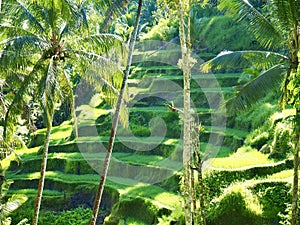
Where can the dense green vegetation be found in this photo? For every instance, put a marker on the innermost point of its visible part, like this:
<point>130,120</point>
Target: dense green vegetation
<point>249,155</point>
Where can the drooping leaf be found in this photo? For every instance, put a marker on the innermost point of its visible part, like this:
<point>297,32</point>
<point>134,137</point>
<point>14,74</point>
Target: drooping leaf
<point>13,203</point>
<point>257,88</point>
<point>259,25</point>
<point>242,59</point>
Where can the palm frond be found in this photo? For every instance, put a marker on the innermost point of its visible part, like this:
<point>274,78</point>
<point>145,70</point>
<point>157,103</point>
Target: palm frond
<point>259,25</point>
<point>100,76</point>
<point>287,12</point>
<point>89,57</point>
<point>16,106</point>
<point>23,222</point>
<point>15,31</point>
<point>13,203</point>
<point>84,16</point>
<point>114,10</point>
<point>242,59</point>
<point>249,94</point>
<point>103,42</point>
<point>67,89</point>
<point>3,105</point>
<point>20,10</point>
<point>49,89</point>
<point>19,42</point>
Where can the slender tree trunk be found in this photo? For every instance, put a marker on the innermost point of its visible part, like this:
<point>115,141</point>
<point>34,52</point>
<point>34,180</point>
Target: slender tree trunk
<point>296,170</point>
<point>42,172</point>
<point>201,193</point>
<point>194,197</point>
<point>194,160</point>
<point>115,121</point>
<point>186,68</point>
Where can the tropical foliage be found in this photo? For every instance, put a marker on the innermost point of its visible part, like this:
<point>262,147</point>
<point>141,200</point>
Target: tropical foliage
<point>276,28</point>
<point>50,49</point>
<point>44,43</point>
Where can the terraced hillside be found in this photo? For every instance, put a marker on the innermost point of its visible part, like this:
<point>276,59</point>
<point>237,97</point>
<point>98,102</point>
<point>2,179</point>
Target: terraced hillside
<point>146,158</point>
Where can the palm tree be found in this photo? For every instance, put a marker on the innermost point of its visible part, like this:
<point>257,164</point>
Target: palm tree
<point>44,41</point>
<point>115,120</point>
<point>276,30</point>
<point>186,64</point>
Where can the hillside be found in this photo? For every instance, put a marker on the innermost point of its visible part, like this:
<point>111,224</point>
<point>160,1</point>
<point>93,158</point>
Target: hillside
<point>147,158</point>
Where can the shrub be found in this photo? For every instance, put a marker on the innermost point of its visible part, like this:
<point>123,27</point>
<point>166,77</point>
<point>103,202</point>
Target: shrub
<point>78,216</point>
<point>282,142</point>
<point>257,138</point>
<point>137,208</point>
<point>165,30</point>
<point>273,197</point>
<point>237,205</point>
<point>259,115</point>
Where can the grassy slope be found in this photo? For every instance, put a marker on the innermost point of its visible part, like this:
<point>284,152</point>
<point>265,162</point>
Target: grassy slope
<point>157,195</point>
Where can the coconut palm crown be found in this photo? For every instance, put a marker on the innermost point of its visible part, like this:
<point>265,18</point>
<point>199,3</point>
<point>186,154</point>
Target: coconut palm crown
<point>44,43</point>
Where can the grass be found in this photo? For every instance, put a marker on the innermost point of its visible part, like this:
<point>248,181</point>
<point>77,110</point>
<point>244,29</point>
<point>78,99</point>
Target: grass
<point>285,174</point>
<point>244,157</point>
<point>90,112</point>
<point>157,194</point>
<point>239,134</point>
<point>138,159</point>
<point>223,151</point>
<point>59,132</point>
<point>32,192</point>
<point>59,176</point>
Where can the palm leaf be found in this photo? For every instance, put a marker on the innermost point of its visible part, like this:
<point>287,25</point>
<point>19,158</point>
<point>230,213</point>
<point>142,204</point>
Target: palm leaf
<point>256,89</point>
<point>83,11</point>
<point>102,42</point>
<point>242,59</point>
<point>19,42</point>
<point>14,31</point>
<point>89,57</point>
<point>16,106</point>
<point>66,87</point>
<point>13,203</point>
<point>19,10</point>
<point>114,10</point>
<point>100,76</point>
<point>259,25</point>
<point>49,89</point>
<point>287,12</point>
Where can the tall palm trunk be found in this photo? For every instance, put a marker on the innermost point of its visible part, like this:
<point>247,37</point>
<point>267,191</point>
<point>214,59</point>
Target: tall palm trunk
<point>295,65</point>
<point>43,170</point>
<point>115,121</point>
<point>184,34</point>
<point>296,170</point>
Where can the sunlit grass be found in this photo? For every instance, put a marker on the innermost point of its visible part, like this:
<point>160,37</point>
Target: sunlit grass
<point>227,131</point>
<point>158,195</point>
<point>242,158</point>
<point>59,176</point>
<point>138,159</point>
<point>282,175</point>
<point>168,199</point>
<point>32,192</point>
<point>89,112</point>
